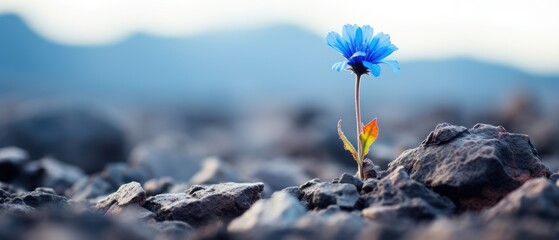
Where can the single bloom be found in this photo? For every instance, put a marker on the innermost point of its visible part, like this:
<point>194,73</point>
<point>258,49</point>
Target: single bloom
<point>363,52</point>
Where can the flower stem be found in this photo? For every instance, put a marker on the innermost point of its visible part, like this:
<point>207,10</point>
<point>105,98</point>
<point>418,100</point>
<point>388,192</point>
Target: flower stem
<point>359,128</point>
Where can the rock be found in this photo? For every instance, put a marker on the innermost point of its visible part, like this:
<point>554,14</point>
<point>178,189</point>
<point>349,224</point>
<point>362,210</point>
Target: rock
<point>397,196</point>
<point>49,172</point>
<point>293,191</point>
<point>88,188</point>
<point>537,198</point>
<point>4,195</point>
<point>476,167</point>
<point>280,211</point>
<point>105,182</point>
<point>120,173</point>
<point>158,186</point>
<point>387,229</point>
<point>202,205</point>
<point>369,169</point>
<point>173,230</point>
<point>79,137</point>
<point>323,194</point>
<point>130,213</point>
<point>346,178</point>
<point>179,188</point>
<point>554,177</point>
<point>214,171</point>
<point>45,201</point>
<point>331,223</point>
<point>9,188</point>
<point>131,193</point>
<point>12,160</point>
<point>11,210</point>
<point>45,190</point>
<point>279,174</point>
<point>369,185</point>
<point>70,225</point>
<point>472,227</point>
<point>164,159</point>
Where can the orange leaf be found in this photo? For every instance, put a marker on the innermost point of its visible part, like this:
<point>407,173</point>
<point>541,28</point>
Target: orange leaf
<point>347,144</point>
<point>369,135</point>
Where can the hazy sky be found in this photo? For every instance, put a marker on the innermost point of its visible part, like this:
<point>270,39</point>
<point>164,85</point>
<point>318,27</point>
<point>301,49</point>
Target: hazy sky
<point>521,33</point>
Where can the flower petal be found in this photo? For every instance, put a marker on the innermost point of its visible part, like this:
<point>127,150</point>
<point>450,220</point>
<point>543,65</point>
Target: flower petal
<point>348,33</point>
<point>358,41</point>
<point>375,68</point>
<point>393,64</point>
<point>334,40</point>
<point>381,53</point>
<point>339,66</point>
<point>367,35</point>
<point>357,54</point>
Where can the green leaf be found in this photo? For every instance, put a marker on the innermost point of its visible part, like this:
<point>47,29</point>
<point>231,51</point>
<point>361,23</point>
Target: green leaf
<point>347,144</point>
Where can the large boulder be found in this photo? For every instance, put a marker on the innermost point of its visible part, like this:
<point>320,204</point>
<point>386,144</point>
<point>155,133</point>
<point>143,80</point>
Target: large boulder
<point>475,168</point>
<point>79,137</point>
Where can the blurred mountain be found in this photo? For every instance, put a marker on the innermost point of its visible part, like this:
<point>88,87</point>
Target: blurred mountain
<point>239,68</point>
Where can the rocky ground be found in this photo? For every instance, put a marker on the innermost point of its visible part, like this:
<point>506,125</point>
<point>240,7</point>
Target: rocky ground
<point>459,183</point>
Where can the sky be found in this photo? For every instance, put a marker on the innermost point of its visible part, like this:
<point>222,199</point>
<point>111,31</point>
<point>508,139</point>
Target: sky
<point>520,33</point>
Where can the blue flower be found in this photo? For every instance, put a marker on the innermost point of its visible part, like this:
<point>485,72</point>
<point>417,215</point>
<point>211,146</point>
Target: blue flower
<point>363,52</point>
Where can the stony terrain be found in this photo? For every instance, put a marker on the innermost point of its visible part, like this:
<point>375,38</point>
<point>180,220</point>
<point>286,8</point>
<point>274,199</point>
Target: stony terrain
<point>459,183</point>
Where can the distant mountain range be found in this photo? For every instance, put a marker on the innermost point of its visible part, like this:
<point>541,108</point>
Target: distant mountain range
<point>238,68</point>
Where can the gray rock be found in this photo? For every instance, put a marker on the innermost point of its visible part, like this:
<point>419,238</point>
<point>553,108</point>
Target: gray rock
<point>179,188</point>
<point>369,170</point>
<point>12,160</point>
<point>280,173</point>
<point>293,191</point>
<point>398,196</point>
<point>79,137</point>
<point>164,159</point>
<point>12,210</point>
<point>203,205</point>
<point>120,173</point>
<point>131,193</point>
<point>214,171</point>
<point>472,227</point>
<point>320,195</point>
<point>173,230</point>
<point>45,201</point>
<point>537,198</point>
<point>45,190</point>
<point>554,178</point>
<point>51,173</point>
<point>105,182</point>
<point>475,168</point>
<point>158,186</point>
<point>131,212</point>
<point>353,180</point>
<point>280,211</point>
<point>386,230</point>
<point>369,185</point>
<point>88,188</point>
<point>331,223</point>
